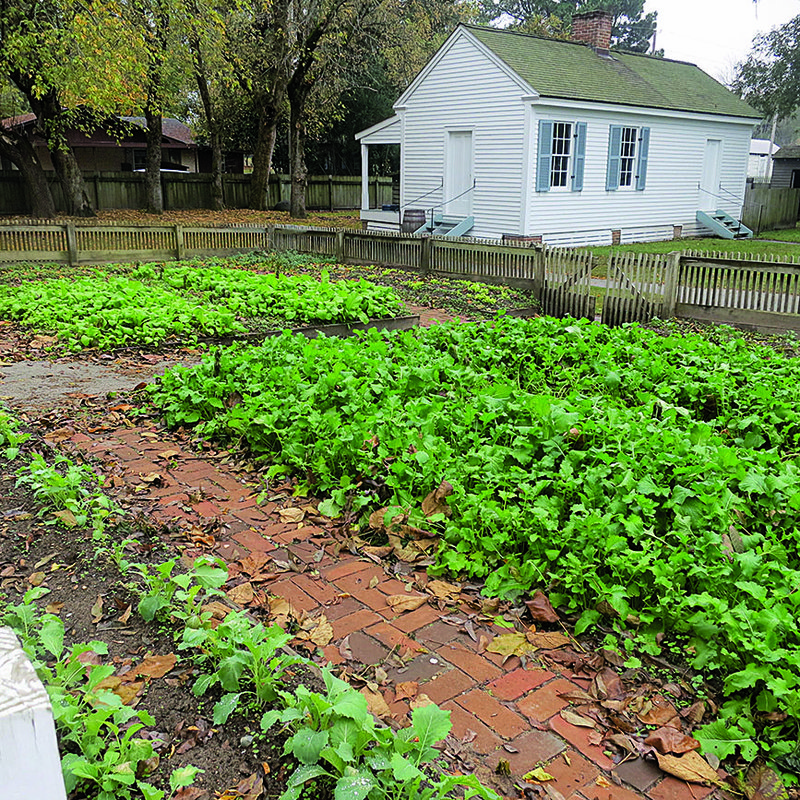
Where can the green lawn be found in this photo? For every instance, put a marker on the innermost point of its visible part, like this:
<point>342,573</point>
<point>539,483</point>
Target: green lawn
<point>786,235</point>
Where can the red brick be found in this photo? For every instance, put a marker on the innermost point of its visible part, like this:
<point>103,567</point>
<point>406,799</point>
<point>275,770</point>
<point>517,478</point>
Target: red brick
<point>357,582</point>
<point>394,638</point>
<point>571,772</point>
<point>391,586</point>
<point>515,683</point>
<point>230,551</point>
<point>375,600</point>
<point>344,626</point>
<point>447,686</point>
<point>543,703</point>
<point>485,740</point>
<point>344,568</point>
<point>673,789</point>
<point>416,619</point>
<point>593,791</point>
<point>254,542</point>
<point>579,739</point>
<point>478,668</point>
<point>533,748</point>
<point>342,607</point>
<point>332,654</point>
<point>207,509</point>
<point>494,715</point>
<point>321,591</point>
<point>438,633</point>
<point>288,590</point>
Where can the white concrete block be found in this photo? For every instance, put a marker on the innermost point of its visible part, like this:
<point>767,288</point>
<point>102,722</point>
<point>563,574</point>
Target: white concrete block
<point>30,765</point>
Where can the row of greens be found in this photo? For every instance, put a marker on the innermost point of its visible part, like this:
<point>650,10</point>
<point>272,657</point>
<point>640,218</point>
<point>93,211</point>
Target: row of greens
<point>331,736</point>
<point>653,478</point>
<point>185,300</point>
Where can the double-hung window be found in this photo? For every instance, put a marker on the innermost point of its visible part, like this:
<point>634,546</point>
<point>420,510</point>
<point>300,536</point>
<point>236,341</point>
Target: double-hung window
<point>560,155</point>
<point>627,157</point>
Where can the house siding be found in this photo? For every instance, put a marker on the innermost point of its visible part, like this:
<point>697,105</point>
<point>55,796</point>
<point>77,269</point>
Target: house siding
<point>670,196</point>
<point>782,170</point>
<point>466,91</point>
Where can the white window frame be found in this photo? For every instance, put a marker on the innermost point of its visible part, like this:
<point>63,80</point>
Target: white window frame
<point>567,136</point>
<point>628,160</point>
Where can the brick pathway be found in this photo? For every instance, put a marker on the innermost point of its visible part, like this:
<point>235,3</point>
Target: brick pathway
<point>505,711</point>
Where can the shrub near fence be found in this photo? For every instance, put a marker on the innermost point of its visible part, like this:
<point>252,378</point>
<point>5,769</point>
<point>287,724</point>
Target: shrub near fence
<point>192,190</point>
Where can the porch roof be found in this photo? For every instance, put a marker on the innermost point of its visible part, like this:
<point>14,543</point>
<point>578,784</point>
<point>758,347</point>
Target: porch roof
<point>384,132</point>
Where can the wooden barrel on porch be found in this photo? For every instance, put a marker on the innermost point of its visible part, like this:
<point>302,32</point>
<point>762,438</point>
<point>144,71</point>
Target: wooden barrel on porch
<point>413,218</point>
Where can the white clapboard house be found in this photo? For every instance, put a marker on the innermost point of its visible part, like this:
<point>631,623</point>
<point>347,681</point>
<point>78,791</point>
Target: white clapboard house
<point>506,134</point>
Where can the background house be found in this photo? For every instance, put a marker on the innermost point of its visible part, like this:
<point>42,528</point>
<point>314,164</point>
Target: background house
<point>786,167</point>
<point>565,140</point>
<point>119,146</point>
<point>759,164</point>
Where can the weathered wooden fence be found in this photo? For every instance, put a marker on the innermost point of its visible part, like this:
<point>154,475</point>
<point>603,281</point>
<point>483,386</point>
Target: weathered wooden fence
<point>708,287</point>
<point>769,208</point>
<point>191,190</point>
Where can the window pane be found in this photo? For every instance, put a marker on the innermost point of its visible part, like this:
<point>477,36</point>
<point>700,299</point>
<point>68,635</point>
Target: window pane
<point>627,156</point>
<point>562,143</point>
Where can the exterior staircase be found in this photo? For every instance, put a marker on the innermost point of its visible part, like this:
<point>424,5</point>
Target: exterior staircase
<point>445,225</point>
<point>724,225</point>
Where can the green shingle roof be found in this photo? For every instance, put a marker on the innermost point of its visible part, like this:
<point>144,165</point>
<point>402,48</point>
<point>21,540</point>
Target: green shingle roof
<point>573,70</point>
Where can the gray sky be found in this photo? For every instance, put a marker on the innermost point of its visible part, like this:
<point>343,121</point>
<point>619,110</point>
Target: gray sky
<point>716,34</point>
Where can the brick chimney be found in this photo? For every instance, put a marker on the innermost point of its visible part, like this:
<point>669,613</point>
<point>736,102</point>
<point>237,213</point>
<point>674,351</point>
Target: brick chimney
<point>593,28</point>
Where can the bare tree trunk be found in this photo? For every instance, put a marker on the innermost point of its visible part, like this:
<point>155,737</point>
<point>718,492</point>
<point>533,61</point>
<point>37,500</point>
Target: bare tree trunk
<point>18,150</point>
<point>154,196</point>
<point>217,164</point>
<point>297,150</point>
<point>262,155</point>
<point>51,123</point>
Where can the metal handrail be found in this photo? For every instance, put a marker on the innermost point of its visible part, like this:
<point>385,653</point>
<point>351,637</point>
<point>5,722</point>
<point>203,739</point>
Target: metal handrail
<point>445,202</point>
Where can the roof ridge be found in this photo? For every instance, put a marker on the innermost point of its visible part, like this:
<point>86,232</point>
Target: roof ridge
<point>493,29</point>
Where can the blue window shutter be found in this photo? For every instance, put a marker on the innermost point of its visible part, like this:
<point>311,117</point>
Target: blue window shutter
<point>544,155</point>
<point>579,156</point>
<point>641,168</point>
<point>614,153</point>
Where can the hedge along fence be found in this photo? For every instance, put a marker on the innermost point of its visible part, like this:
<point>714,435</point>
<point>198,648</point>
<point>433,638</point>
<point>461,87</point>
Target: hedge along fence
<point>192,190</point>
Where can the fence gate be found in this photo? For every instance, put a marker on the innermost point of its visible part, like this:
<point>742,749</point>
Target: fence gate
<point>567,284</point>
<point>635,287</point>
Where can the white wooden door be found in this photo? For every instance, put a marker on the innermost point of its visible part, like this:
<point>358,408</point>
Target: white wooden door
<point>708,199</point>
<point>458,174</point>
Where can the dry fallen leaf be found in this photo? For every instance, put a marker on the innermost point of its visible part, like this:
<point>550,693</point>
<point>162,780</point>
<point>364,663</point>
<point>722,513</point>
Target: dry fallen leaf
<point>406,690</point>
<point>242,594</point>
<point>661,712</point>
<point>67,517</point>
<point>541,608</point>
<point>36,578</point>
<point>155,666</point>
<point>322,634</point>
<point>537,774</point>
<point>763,783</point>
<point>420,701</point>
<point>292,514</point>
<point>568,715</point>
<point>510,644</point>
<point>376,703</point>
<point>97,609</point>
<point>443,590</point>
<point>547,640</point>
<point>671,740</point>
<point>406,602</point>
<point>435,502</point>
<point>374,581</point>
<point>691,767</point>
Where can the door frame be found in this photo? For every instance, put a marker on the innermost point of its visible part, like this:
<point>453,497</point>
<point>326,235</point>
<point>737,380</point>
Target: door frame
<point>448,177</point>
<point>707,199</point>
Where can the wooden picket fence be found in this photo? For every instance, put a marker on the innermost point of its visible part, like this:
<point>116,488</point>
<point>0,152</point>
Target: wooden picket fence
<point>756,292</point>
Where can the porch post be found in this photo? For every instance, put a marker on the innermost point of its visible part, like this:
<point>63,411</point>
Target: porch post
<point>365,177</point>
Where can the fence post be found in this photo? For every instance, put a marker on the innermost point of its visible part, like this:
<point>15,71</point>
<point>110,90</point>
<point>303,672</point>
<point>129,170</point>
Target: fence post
<point>671,284</point>
<point>270,231</point>
<point>539,264</point>
<point>338,250</point>
<point>425,255</point>
<point>179,246</point>
<point>72,244</point>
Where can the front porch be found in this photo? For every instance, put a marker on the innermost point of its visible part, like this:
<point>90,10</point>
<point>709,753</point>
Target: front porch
<point>378,215</point>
